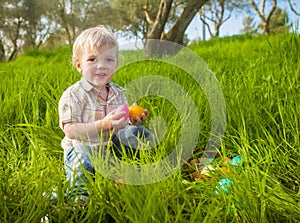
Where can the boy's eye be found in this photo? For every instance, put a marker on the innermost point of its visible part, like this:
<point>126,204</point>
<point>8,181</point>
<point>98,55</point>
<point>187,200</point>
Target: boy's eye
<point>110,59</point>
<point>92,59</point>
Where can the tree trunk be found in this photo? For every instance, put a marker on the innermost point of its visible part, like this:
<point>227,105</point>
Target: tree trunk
<point>155,47</point>
<point>65,24</point>
<point>152,45</point>
<point>217,29</point>
<point>14,39</point>
<point>2,52</point>
<point>176,33</point>
<point>160,20</point>
<point>265,28</point>
<point>13,54</point>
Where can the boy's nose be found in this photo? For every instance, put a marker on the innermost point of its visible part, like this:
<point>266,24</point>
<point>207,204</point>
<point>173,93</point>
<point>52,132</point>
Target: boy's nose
<point>101,64</point>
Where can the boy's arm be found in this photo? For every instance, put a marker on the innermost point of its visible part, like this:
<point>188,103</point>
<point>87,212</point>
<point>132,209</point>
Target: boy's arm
<point>90,130</point>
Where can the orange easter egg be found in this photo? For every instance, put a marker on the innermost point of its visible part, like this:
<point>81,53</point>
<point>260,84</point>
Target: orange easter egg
<point>135,111</point>
<point>226,170</point>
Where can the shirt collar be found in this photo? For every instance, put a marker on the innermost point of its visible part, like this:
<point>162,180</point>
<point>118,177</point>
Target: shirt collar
<point>86,85</point>
<point>114,89</point>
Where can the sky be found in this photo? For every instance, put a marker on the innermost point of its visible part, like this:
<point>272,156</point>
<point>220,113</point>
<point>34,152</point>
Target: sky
<point>234,25</point>
<point>231,27</point>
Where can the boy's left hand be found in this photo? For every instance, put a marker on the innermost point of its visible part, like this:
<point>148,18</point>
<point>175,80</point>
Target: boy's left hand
<point>138,119</point>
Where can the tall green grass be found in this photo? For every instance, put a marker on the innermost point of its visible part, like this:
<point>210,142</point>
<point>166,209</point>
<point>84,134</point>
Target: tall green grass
<point>259,77</point>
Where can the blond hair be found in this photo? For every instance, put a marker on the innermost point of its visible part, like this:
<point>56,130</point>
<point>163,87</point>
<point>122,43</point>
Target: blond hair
<point>91,40</point>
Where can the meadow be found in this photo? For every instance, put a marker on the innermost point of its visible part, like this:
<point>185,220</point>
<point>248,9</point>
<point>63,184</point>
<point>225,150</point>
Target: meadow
<point>259,77</point>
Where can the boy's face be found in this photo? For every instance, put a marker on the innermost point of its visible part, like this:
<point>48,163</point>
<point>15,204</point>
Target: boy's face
<point>98,68</point>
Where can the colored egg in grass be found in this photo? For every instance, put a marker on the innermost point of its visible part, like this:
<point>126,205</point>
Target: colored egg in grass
<point>207,170</point>
<point>136,111</point>
<point>209,160</point>
<point>223,185</point>
<point>236,161</point>
<point>123,108</point>
<point>227,170</point>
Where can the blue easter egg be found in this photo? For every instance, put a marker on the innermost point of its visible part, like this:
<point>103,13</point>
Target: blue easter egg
<point>209,160</point>
<point>224,184</point>
<point>236,161</point>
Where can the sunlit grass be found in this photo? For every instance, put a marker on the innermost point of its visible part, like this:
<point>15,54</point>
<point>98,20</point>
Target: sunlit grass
<point>259,77</point>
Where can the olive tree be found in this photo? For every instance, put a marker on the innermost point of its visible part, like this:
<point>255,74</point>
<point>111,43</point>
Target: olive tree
<point>76,15</point>
<point>261,11</point>
<point>176,32</point>
<point>23,24</point>
<point>11,24</point>
<point>37,26</point>
<point>218,12</point>
<point>157,19</point>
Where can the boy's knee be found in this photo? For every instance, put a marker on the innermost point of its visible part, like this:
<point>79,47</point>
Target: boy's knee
<point>132,135</point>
<point>78,156</point>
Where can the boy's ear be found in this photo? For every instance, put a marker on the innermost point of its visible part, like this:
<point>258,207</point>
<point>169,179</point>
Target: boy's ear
<point>78,66</point>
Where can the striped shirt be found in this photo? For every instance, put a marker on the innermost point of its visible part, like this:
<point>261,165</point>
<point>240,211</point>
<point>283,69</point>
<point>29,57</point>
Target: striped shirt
<point>81,103</point>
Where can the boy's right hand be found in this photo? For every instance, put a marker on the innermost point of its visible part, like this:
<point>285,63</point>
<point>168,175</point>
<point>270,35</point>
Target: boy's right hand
<point>114,121</point>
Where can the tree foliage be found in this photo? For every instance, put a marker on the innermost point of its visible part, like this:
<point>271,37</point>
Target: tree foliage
<point>11,25</point>
<point>28,24</point>
<point>75,15</point>
<point>279,22</point>
<point>23,23</point>
<point>135,17</point>
<point>249,26</point>
<point>35,26</point>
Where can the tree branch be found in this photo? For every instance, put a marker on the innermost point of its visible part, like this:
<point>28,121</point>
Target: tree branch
<point>272,11</point>
<point>161,19</point>
<point>222,3</point>
<point>207,25</point>
<point>228,17</point>
<point>261,15</point>
<point>293,9</point>
<point>148,17</point>
<point>209,18</point>
<point>262,9</point>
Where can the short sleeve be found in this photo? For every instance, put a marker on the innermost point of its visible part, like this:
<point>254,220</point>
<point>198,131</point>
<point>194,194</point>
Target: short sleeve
<point>69,108</point>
